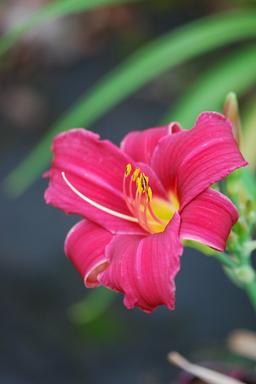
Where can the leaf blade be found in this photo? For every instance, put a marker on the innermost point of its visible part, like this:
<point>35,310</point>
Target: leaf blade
<point>236,72</point>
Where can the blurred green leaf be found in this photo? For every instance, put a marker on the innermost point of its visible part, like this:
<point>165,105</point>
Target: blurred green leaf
<point>249,134</point>
<point>240,187</point>
<point>105,329</point>
<point>93,306</point>
<point>237,73</point>
<point>50,12</point>
<point>164,53</point>
<point>249,181</point>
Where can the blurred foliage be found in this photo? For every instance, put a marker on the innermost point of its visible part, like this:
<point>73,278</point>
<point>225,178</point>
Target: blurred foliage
<point>107,328</point>
<point>248,144</point>
<point>93,306</point>
<point>235,72</point>
<point>50,12</point>
<point>148,62</point>
<point>94,318</point>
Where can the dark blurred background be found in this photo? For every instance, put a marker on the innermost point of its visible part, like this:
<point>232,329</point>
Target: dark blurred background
<point>41,340</point>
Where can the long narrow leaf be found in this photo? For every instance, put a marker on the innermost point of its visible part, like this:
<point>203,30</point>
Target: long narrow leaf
<point>50,12</point>
<point>237,73</point>
<point>147,63</point>
<point>249,127</point>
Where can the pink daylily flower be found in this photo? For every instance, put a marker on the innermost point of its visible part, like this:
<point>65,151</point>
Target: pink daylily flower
<point>139,201</point>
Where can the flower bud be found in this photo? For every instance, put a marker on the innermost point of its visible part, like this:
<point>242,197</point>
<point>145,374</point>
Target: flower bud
<point>244,274</point>
<point>231,111</point>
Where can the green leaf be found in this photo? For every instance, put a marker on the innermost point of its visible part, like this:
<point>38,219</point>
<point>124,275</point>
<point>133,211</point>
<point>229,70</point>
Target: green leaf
<point>249,133</point>
<point>235,73</point>
<point>249,181</point>
<point>93,306</point>
<point>50,12</point>
<point>164,53</point>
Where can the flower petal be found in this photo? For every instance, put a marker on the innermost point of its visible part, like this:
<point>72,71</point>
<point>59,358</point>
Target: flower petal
<point>140,145</point>
<point>209,219</point>
<point>144,268</point>
<point>85,246</point>
<point>96,169</point>
<point>191,161</point>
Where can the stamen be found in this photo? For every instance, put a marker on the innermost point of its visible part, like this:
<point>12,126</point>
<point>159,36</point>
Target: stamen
<point>130,189</point>
<point>140,204</point>
<point>135,174</point>
<point>154,217</point>
<point>139,184</point>
<point>141,213</point>
<point>144,182</point>
<point>137,203</point>
<point>128,196</point>
<point>150,194</point>
<point>97,205</point>
<point>145,221</point>
<point>128,170</point>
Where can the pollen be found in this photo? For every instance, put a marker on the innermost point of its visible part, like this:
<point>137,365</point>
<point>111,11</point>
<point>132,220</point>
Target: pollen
<point>128,169</point>
<point>150,194</point>
<point>136,174</point>
<point>139,185</point>
<point>144,182</point>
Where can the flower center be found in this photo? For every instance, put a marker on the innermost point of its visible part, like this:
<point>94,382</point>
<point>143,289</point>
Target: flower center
<point>153,213</point>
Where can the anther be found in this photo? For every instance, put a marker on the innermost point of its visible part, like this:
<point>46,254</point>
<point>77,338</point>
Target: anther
<point>128,169</point>
<point>144,182</point>
<point>150,194</point>
<point>139,184</point>
<point>136,173</point>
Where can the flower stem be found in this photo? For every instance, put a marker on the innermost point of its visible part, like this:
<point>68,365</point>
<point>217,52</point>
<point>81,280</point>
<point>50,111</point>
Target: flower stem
<point>224,259</point>
<point>251,292</point>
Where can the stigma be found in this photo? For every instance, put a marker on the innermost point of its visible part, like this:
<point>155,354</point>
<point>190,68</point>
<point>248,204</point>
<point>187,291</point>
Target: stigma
<point>95,204</point>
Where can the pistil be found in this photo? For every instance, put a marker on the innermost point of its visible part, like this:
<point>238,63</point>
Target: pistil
<point>97,205</point>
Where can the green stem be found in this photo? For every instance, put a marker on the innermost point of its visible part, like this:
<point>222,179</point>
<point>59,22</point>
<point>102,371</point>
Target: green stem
<point>251,292</point>
<point>250,246</point>
<point>224,259</point>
